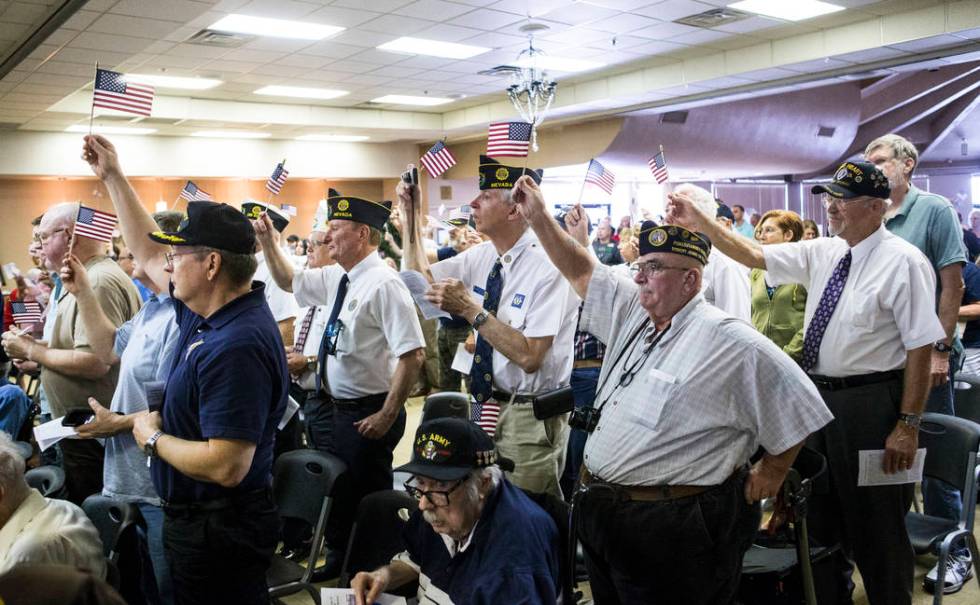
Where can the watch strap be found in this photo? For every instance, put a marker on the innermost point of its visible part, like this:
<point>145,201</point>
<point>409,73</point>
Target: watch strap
<point>480,319</point>
<point>150,449</point>
<point>911,420</point>
<point>942,347</point>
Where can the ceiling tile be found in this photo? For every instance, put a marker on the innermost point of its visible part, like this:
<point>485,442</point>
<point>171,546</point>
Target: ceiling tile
<point>170,62</point>
<point>382,6</point>
<point>277,45</point>
<point>525,8</point>
<point>343,17</point>
<point>364,39</point>
<point>328,48</point>
<point>21,12</point>
<point>701,36</point>
<point>171,10</point>
<point>495,40</point>
<point>225,65</point>
<point>158,48</point>
<point>378,57</point>
<point>576,35</point>
<point>133,26</point>
<point>428,63</point>
<point>255,56</point>
<point>13,31</point>
<point>63,68</point>
<point>579,13</point>
<point>108,42</point>
<point>752,24</point>
<point>366,79</point>
<point>197,50</point>
<point>435,10</point>
<point>61,36</point>
<point>486,19</point>
<point>87,56</point>
<point>623,23</point>
<point>321,76</point>
<point>80,20</point>
<point>395,71</point>
<point>405,26</point>
<point>304,61</point>
<point>448,33</point>
<point>671,10</point>
<point>657,47</point>
<point>278,9</point>
<point>354,67</point>
<point>278,70</point>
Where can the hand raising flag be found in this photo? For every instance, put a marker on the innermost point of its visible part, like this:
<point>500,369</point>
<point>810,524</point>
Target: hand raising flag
<point>438,159</point>
<point>26,313</point>
<point>278,178</point>
<point>600,176</point>
<point>95,224</point>
<point>658,166</point>
<point>113,91</point>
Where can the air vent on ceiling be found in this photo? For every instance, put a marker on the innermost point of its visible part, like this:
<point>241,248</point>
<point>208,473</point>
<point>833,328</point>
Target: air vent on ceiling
<point>673,117</point>
<point>208,37</point>
<point>500,70</point>
<point>713,17</point>
<point>826,131</point>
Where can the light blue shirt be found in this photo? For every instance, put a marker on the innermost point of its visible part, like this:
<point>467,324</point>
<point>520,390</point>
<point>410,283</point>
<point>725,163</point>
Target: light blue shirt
<point>746,229</point>
<point>145,345</point>
<point>51,312</point>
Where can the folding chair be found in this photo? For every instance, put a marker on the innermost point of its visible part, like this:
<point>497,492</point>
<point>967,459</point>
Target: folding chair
<point>446,404</point>
<point>377,535</point>
<point>951,455</point>
<point>49,480</point>
<point>304,483</point>
<point>113,520</point>
<point>966,397</point>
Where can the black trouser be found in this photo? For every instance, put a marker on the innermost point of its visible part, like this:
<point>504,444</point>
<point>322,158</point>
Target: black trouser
<point>82,460</point>
<point>318,411</point>
<point>368,461</point>
<point>868,521</point>
<point>687,550</point>
<point>222,556</point>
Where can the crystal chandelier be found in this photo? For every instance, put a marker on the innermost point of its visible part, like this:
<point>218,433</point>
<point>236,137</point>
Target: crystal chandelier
<point>531,91</point>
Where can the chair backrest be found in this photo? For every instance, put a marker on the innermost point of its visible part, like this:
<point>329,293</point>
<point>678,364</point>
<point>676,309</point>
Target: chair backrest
<point>111,518</point>
<point>377,533</point>
<point>560,512</point>
<point>966,397</point>
<point>951,455</point>
<point>49,480</point>
<point>301,481</point>
<point>446,405</point>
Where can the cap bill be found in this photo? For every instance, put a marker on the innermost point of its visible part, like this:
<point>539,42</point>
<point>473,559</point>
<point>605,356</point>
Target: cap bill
<point>435,471</point>
<point>172,239</point>
<point>834,190</point>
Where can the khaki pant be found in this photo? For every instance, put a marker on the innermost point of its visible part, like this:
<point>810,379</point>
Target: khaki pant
<point>537,447</point>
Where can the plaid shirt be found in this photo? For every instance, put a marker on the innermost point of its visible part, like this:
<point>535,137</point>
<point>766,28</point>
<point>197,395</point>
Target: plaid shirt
<point>587,346</point>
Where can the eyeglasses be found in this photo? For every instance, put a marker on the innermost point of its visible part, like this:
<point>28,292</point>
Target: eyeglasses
<point>170,256</point>
<point>42,238</point>
<point>650,267</point>
<point>829,200</point>
<point>438,498</point>
<point>314,243</point>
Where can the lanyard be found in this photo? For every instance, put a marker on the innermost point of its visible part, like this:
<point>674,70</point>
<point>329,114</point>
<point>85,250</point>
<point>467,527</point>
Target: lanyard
<point>626,376</point>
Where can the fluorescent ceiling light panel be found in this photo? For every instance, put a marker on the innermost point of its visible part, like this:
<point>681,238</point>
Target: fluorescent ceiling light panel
<point>275,28</point>
<point>299,91</point>
<point>110,129</point>
<point>412,100</point>
<point>558,63</point>
<point>335,138</point>
<point>797,10</point>
<point>174,81</point>
<point>433,48</point>
<point>231,134</point>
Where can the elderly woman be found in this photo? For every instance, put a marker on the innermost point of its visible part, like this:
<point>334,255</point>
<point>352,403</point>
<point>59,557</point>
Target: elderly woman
<point>778,312</point>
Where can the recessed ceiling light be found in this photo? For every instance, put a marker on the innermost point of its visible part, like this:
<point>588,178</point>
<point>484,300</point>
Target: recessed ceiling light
<point>275,28</point>
<point>334,138</point>
<point>797,10</point>
<point>231,134</point>
<point>412,100</point>
<point>298,91</point>
<point>110,129</point>
<point>433,48</point>
<point>557,63</point>
<point>174,81</point>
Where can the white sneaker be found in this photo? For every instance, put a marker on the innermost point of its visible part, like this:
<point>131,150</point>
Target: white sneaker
<point>959,569</point>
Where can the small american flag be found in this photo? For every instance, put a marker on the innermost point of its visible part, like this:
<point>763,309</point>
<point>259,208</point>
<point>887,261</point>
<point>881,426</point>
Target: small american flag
<point>508,139</point>
<point>438,159</point>
<point>26,313</point>
<point>193,193</point>
<point>95,224</point>
<point>288,209</point>
<point>600,176</point>
<point>485,415</point>
<point>112,91</point>
<point>658,166</point>
<point>278,179</point>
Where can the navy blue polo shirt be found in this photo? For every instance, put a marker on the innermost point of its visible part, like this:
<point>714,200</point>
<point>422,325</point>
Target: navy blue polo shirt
<point>229,381</point>
<point>971,294</point>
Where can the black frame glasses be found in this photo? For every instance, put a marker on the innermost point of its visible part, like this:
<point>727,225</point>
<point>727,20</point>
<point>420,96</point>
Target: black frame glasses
<point>438,498</point>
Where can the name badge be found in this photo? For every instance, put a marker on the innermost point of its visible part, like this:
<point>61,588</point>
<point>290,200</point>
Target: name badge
<point>518,301</point>
<point>479,290</point>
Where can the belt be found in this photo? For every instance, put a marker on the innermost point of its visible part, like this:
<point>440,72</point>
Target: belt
<point>505,397</point>
<point>646,493</point>
<point>832,383</point>
<point>587,363</point>
<point>357,402</point>
<point>215,504</point>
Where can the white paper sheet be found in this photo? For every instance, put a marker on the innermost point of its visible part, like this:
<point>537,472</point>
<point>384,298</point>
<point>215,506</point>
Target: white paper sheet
<point>291,408</point>
<point>345,596</point>
<point>871,473</point>
<point>463,361</point>
<point>417,285</point>
<point>52,432</point>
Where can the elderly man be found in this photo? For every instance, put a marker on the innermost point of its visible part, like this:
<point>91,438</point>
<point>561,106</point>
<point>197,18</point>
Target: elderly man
<point>281,303</point>
<point>36,530</point>
<point>211,446</point>
<point>605,248</point>
<point>725,284</point>
<point>670,502</point>
<point>70,371</point>
<point>524,317</point>
<point>475,537</point>
<point>929,222</point>
<point>870,328</point>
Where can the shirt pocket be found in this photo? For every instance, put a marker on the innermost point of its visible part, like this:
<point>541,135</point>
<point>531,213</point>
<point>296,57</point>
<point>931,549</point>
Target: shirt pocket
<point>513,311</point>
<point>657,387</point>
<point>863,310</point>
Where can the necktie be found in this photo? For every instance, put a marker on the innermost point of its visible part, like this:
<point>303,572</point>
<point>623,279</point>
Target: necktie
<point>304,331</point>
<point>338,304</point>
<point>825,309</point>
<point>481,373</point>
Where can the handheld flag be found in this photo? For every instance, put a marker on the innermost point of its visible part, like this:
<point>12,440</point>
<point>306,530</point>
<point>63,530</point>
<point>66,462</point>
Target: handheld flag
<point>193,193</point>
<point>112,91</point>
<point>438,159</point>
<point>509,139</point>
<point>658,166</point>
<point>278,178</point>
<point>600,176</point>
<point>485,415</point>
<point>26,313</point>
<point>95,224</point>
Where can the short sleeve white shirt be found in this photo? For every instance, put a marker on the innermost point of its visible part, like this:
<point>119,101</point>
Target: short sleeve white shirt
<point>281,303</point>
<point>379,324</point>
<point>307,380</point>
<point>886,308</point>
<point>536,300</point>
<point>725,284</point>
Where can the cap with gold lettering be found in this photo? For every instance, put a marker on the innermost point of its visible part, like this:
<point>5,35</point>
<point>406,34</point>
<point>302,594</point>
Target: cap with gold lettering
<point>494,175</point>
<point>359,210</point>
<point>675,239</point>
<point>253,209</point>
<point>447,449</point>
<point>856,179</point>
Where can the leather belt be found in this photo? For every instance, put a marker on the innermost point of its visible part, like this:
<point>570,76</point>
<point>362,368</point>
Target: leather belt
<point>359,401</point>
<point>647,493</point>
<point>587,363</point>
<point>832,383</point>
<point>505,397</point>
<point>214,504</point>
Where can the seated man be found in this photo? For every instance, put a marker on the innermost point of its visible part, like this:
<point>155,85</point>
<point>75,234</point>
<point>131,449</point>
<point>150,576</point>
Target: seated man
<point>475,538</point>
<point>35,529</point>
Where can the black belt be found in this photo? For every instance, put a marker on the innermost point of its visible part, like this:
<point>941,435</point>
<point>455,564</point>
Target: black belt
<point>372,400</point>
<point>215,504</point>
<point>833,383</point>
<point>504,396</point>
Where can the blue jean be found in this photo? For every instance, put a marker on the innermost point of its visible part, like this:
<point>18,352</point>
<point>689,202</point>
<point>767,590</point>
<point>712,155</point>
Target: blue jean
<point>583,382</point>
<point>152,537</point>
<point>14,406</point>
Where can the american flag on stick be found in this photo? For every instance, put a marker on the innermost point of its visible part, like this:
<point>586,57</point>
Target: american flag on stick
<point>508,139</point>
<point>193,193</point>
<point>658,166</point>
<point>95,224</point>
<point>26,313</point>
<point>112,91</point>
<point>600,176</point>
<point>278,178</point>
<point>485,415</point>
<point>438,159</point>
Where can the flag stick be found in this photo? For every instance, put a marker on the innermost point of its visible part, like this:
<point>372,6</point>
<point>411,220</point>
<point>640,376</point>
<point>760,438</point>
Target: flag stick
<point>527,156</point>
<point>91,115</point>
<point>582,190</point>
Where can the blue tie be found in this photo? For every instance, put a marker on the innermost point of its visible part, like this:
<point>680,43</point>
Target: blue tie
<point>481,374</point>
<point>331,328</point>
<point>825,309</point>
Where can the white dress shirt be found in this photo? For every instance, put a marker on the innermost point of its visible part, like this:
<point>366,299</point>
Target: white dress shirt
<point>307,380</point>
<point>281,303</point>
<point>886,308</point>
<point>49,531</point>
<point>536,301</point>
<point>725,284</point>
<point>379,324</point>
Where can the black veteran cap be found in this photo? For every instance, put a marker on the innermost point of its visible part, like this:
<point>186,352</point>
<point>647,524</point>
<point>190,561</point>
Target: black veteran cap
<point>346,208</point>
<point>856,179</point>
<point>447,449</point>
<point>494,175</point>
<point>253,209</point>
<point>212,225</point>
<point>724,211</point>
<point>671,238</point>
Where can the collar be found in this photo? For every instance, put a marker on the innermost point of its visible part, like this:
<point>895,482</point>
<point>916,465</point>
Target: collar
<point>910,199</point>
<point>455,549</point>
<point>868,244</point>
<point>245,302</point>
<point>28,509</point>
<point>482,525</point>
<point>682,317</point>
<point>367,263</point>
<point>95,259</point>
<point>528,240</point>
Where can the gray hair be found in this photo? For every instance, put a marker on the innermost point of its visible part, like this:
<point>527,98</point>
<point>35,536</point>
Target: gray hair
<point>900,147</point>
<point>701,197</point>
<point>63,213</point>
<point>471,486</point>
<point>12,466</point>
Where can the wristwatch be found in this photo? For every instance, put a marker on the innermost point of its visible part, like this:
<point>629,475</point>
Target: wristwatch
<point>480,319</point>
<point>942,347</point>
<point>311,362</point>
<point>911,420</point>
<point>150,449</point>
